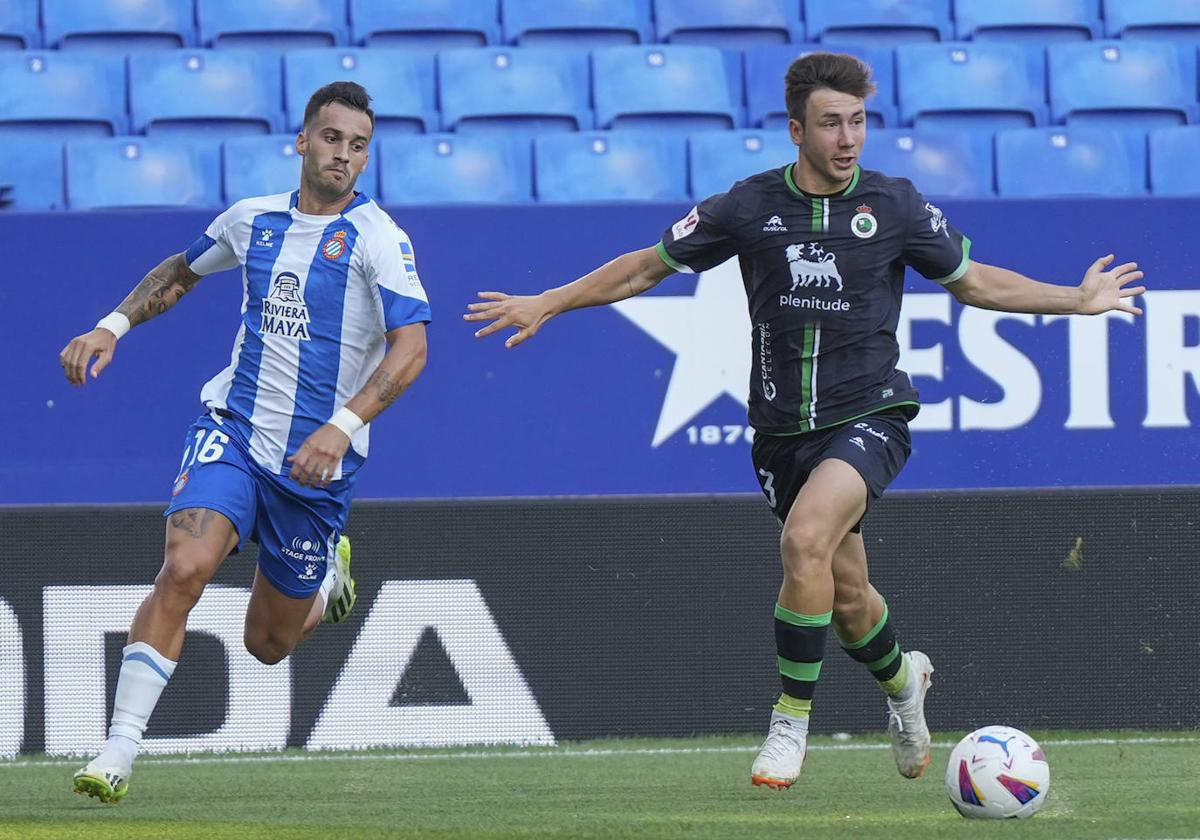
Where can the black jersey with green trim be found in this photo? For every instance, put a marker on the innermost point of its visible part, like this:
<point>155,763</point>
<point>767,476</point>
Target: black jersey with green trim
<point>824,276</point>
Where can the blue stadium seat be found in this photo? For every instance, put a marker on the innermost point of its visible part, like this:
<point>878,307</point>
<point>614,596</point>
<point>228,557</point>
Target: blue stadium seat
<point>767,66</point>
<point>1070,160</point>
<point>879,22</point>
<point>665,87</point>
<point>276,24</point>
<point>610,166</point>
<point>400,82</point>
<point>1122,83</point>
<point>119,24</point>
<point>954,163</point>
<point>514,88</point>
<point>964,84</point>
<point>218,92</point>
<point>729,24</point>
<point>1174,19</point>
<point>56,94</point>
<point>1173,156</point>
<point>1032,21</point>
<point>455,169</point>
<point>267,164</point>
<point>19,25</point>
<point>425,24</point>
<point>33,167</point>
<point>582,24</point>
<point>142,172</point>
<point>718,159</point>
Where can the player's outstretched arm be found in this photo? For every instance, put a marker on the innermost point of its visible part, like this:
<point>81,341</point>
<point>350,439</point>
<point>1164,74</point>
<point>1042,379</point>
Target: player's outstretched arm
<point>159,290</point>
<point>628,275</point>
<point>315,461</point>
<point>1102,290</point>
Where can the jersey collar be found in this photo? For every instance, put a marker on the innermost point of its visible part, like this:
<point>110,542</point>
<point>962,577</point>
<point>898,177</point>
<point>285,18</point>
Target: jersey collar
<point>360,198</point>
<point>787,176</point>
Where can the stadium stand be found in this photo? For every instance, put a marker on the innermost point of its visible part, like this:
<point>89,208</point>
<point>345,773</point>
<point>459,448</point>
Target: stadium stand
<point>718,159</point>
<point>62,94</point>
<point>728,24</point>
<point>1122,83</point>
<point>1174,153</point>
<point>454,168</point>
<point>942,162</point>
<point>19,25</point>
<point>1072,160</point>
<point>877,22</point>
<point>142,172</point>
<point>275,24</point>
<point>578,24</point>
<point>401,84</point>
<point>1027,21</point>
<point>119,24</point>
<point>615,166</point>
<point>511,88</point>
<point>1173,19</point>
<point>213,92</point>
<point>680,88</point>
<point>33,168</point>
<point>425,24</point>
<point>766,67</point>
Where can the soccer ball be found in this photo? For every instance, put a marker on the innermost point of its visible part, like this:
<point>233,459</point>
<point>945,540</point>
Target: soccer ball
<point>996,773</point>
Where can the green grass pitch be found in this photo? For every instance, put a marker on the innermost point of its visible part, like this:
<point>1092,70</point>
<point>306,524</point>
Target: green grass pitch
<point>1102,786</point>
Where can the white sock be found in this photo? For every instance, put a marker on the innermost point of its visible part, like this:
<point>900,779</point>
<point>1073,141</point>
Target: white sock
<point>144,674</point>
<point>328,582</point>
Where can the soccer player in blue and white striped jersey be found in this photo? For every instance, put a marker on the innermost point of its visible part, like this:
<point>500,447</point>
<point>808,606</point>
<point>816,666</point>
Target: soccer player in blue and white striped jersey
<point>332,332</point>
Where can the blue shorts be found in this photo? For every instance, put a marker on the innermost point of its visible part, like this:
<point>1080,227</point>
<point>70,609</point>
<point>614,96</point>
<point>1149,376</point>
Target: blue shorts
<point>296,528</point>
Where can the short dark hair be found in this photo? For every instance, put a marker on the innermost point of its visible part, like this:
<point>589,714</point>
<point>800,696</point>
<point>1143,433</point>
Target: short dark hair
<point>350,94</point>
<point>836,71</point>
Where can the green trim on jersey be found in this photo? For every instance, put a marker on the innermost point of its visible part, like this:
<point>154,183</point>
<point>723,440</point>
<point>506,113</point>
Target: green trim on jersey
<point>874,410</point>
<point>661,250</point>
<point>809,347</point>
<point>787,177</point>
<point>962,266</point>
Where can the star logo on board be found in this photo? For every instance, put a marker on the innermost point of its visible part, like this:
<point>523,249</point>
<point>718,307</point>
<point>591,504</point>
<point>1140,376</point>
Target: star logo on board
<point>708,334</point>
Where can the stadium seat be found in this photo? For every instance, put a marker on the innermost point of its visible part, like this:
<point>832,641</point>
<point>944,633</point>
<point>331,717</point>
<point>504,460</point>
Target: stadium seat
<point>878,22</point>
<point>1030,21</point>
<point>1174,19</point>
<point>682,88</point>
<point>766,68</point>
<point>205,91</point>
<point>965,85</point>
<point>610,166</point>
<point>119,24</point>
<point>401,84</point>
<point>729,24</point>
<point>514,88</point>
<point>425,24</point>
<point>1072,160</point>
<point>718,159</point>
<point>57,94</point>
<point>1173,156</point>
<point>269,164</point>
<point>582,24</point>
<point>142,172</point>
<point>1136,84</point>
<point>276,24</point>
<point>942,162</point>
<point>32,167</point>
<point>19,25</point>
<point>455,169</point>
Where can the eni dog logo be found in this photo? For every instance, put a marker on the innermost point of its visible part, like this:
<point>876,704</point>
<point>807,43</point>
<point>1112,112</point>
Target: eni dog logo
<point>335,246</point>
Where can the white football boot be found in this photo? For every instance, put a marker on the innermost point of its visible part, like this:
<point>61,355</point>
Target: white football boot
<point>782,753</point>
<point>906,718</point>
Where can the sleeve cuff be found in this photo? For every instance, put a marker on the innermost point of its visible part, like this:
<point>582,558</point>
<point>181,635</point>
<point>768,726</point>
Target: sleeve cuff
<point>673,264</point>
<point>962,266</point>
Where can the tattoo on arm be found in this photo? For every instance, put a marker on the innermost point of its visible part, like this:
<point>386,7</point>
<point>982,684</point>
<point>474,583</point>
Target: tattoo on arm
<point>387,389</point>
<point>159,290</point>
<point>193,521</point>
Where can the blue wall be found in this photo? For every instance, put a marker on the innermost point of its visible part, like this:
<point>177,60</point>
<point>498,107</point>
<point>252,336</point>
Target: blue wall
<point>1010,403</point>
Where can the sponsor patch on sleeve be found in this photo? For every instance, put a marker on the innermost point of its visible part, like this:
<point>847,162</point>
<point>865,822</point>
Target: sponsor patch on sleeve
<point>686,225</point>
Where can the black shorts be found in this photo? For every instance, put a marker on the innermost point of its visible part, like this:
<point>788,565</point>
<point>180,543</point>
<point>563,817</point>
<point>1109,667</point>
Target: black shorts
<point>877,446</point>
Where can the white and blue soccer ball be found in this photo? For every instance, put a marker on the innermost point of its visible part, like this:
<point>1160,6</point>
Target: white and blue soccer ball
<point>997,773</point>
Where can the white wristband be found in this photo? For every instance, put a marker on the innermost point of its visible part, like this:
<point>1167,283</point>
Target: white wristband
<point>347,421</point>
<point>115,323</point>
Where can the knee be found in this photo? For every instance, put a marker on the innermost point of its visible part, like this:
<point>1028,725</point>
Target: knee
<point>268,648</point>
<point>183,576</point>
<point>805,549</point>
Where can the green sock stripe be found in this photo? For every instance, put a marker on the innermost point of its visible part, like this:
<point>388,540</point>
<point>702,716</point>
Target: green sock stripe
<point>793,706</point>
<point>884,661</point>
<point>802,620</point>
<point>799,671</point>
<point>897,683</point>
<point>871,634</point>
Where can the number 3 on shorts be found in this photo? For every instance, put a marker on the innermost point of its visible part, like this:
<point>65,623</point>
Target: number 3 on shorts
<point>204,449</point>
<point>769,486</point>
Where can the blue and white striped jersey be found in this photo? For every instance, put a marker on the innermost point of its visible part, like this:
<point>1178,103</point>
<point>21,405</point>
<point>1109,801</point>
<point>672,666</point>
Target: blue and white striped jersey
<point>319,294</point>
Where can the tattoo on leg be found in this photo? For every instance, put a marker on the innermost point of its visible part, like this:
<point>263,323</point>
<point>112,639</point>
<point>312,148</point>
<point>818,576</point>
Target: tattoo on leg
<point>193,521</point>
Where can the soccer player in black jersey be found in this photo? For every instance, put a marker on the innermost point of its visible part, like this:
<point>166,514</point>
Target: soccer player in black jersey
<point>822,246</point>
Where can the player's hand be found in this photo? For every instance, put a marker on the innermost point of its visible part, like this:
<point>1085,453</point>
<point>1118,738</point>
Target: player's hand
<point>525,312</point>
<point>1104,291</point>
<point>314,463</point>
<point>99,344</point>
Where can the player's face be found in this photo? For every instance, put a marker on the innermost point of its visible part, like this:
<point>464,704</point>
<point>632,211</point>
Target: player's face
<point>831,138</point>
<point>334,147</point>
